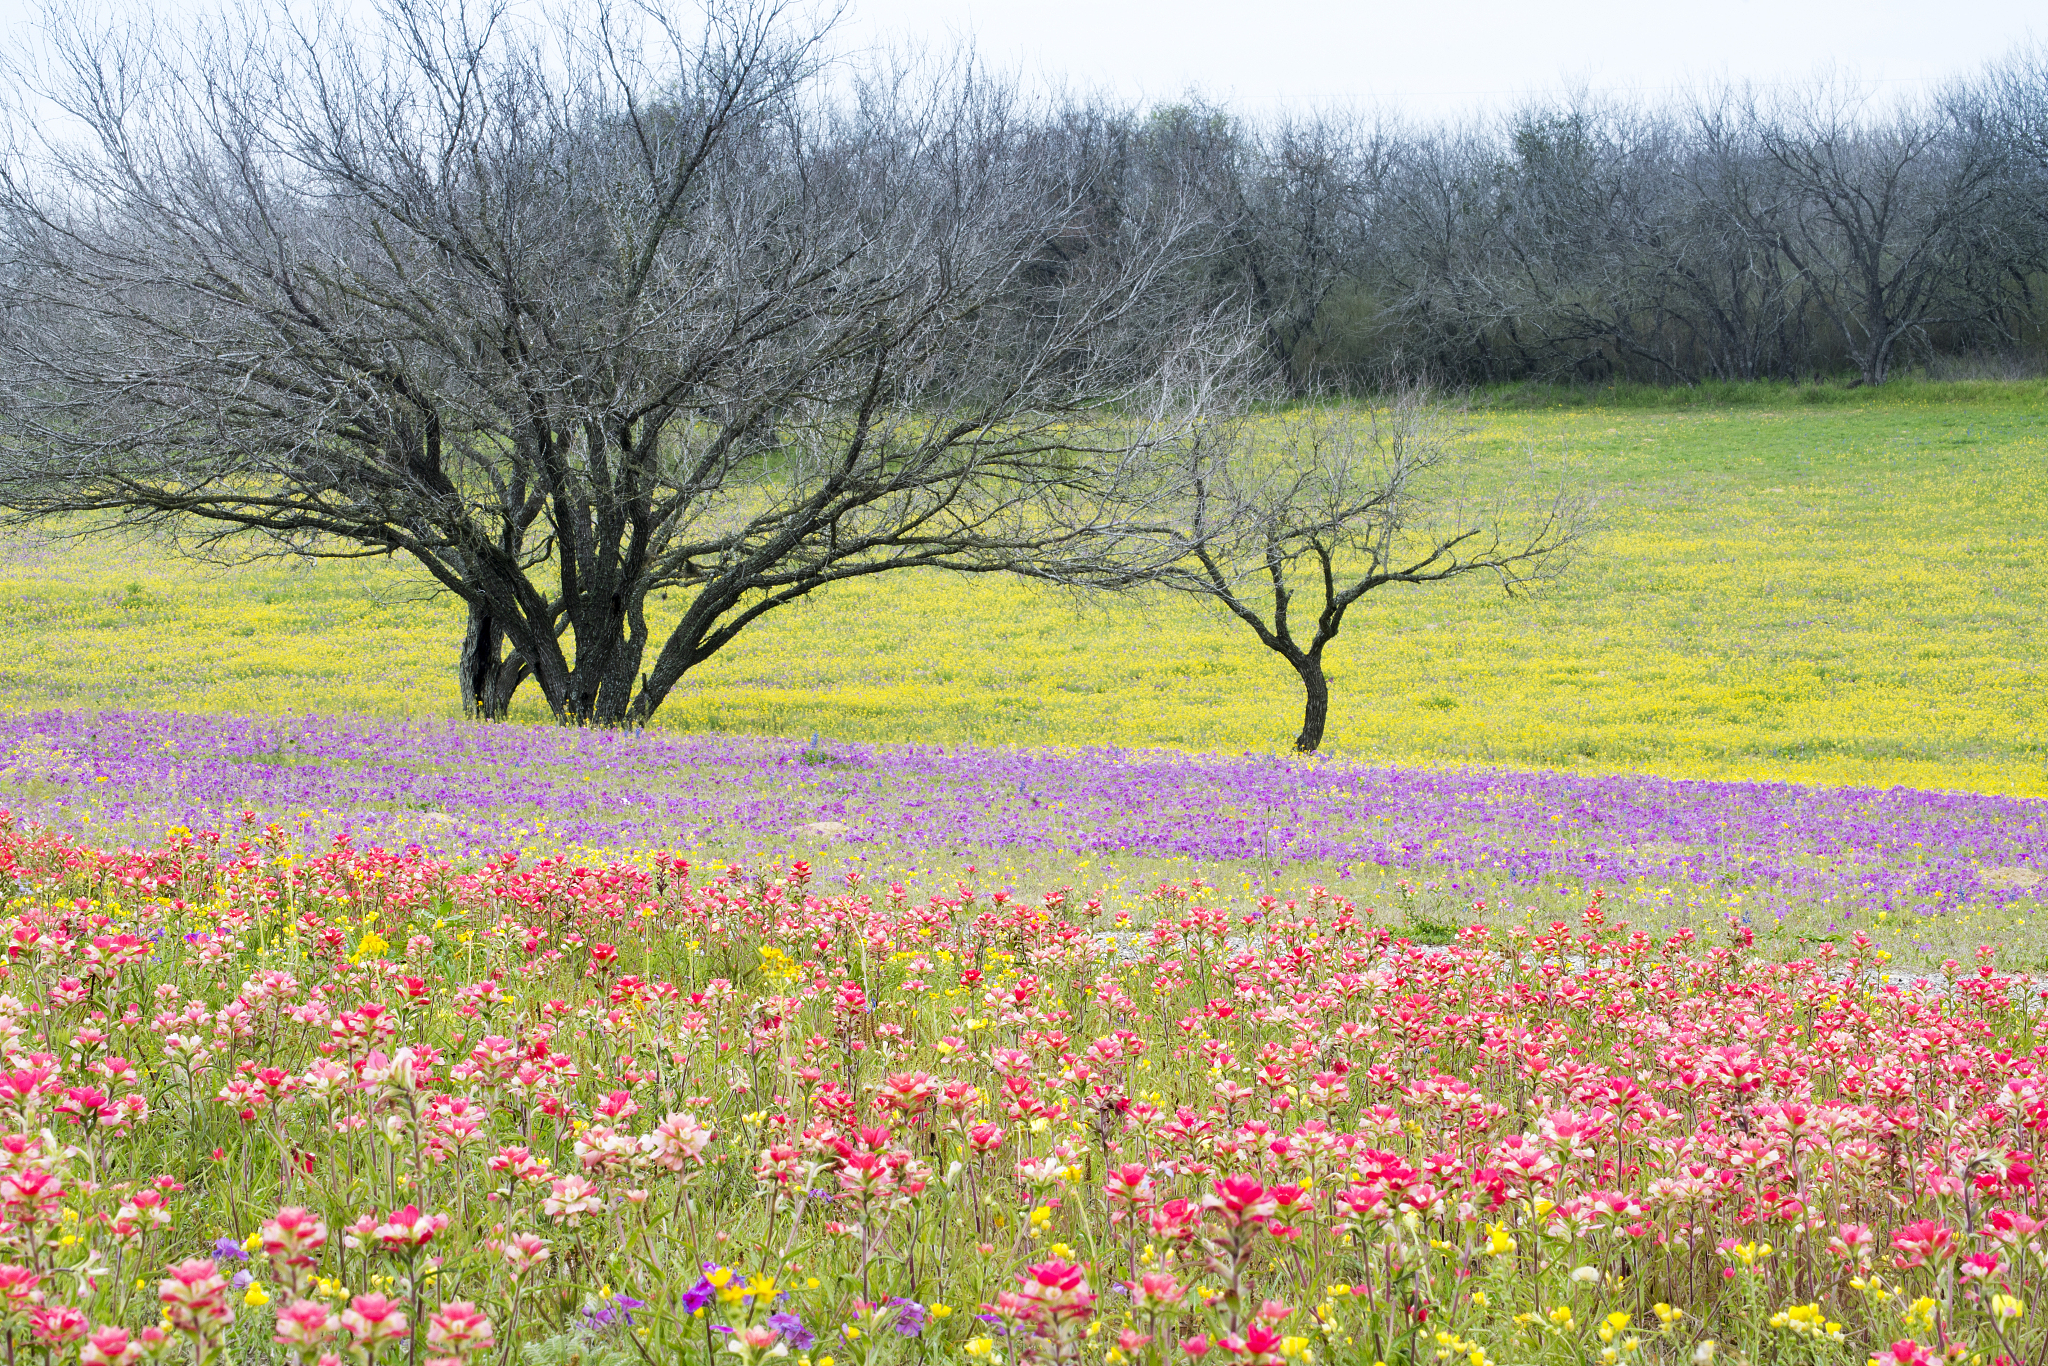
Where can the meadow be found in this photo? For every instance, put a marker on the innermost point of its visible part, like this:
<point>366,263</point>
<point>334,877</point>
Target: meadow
<point>1924,875</point>
<point>1814,585</point>
<point>270,1100</point>
<point>961,974</point>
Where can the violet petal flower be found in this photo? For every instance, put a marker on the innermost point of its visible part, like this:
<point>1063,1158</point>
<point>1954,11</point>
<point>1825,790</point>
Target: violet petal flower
<point>910,1316</point>
<point>799,1338</point>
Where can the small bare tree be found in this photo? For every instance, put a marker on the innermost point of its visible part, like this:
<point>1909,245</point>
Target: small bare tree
<point>1287,523</point>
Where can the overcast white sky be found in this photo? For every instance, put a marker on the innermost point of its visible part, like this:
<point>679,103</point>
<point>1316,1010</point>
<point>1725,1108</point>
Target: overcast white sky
<point>1443,58</point>
<point>1434,59</point>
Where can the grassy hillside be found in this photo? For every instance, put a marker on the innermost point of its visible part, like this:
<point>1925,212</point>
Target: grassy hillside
<point>1822,585</point>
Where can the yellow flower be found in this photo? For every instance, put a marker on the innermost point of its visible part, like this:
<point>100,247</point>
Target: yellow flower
<point>254,1296</point>
<point>1919,1315</point>
<point>1499,1243</point>
<point>1807,1321</point>
<point>1749,1254</point>
<point>939,1311</point>
<point>2005,1308</point>
<point>980,1347</point>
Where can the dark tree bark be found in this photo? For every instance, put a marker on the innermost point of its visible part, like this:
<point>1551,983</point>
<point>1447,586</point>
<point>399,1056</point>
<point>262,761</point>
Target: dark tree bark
<point>487,676</point>
<point>1315,710</point>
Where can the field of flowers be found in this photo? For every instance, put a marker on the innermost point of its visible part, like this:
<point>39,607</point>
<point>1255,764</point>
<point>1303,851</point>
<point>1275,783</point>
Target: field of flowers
<point>270,1100</point>
<point>395,1040</point>
<point>1839,593</point>
<point>1927,874</point>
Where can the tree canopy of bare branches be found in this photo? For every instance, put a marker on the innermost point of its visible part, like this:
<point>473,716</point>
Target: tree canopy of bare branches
<point>1288,523</point>
<point>1732,234</point>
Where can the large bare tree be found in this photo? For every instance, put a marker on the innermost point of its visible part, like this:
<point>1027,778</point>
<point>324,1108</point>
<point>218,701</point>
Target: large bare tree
<point>578,316</point>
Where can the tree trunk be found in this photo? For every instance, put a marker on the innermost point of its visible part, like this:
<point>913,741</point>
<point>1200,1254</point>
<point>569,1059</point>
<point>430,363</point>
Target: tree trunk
<point>486,681</point>
<point>1316,709</point>
<point>478,663</point>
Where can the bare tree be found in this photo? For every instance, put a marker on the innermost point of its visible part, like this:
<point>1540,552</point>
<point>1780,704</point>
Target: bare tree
<point>577,318</point>
<point>1442,229</point>
<point>1882,213</point>
<point>1287,522</point>
<point>1305,229</point>
<point>2014,95</point>
<point>1736,299</point>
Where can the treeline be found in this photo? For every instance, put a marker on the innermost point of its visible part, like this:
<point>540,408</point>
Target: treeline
<point>1734,235</point>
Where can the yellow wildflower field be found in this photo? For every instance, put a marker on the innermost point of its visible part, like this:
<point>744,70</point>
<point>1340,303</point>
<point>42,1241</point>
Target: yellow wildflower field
<point>1849,593</point>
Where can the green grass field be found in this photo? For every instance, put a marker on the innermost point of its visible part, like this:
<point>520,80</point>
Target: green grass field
<point>1824,585</point>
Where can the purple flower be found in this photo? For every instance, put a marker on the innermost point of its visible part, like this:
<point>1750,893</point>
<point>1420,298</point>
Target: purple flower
<point>619,1308</point>
<point>229,1250</point>
<point>793,1331</point>
<point>1519,839</point>
<point>698,1295</point>
<point>910,1316</point>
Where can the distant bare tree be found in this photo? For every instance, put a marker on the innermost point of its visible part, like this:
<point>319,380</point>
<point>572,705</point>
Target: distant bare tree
<point>2015,96</point>
<point>577,317</point>
<point>1286,523</point>
<point>1306,226</point>
<point>1441,238</point>
<point>1738,302</point>
<point>1881,214</point>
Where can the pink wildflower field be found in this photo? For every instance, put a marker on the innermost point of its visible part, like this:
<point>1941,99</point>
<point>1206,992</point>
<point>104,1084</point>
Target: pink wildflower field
<point>270,1099</point>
